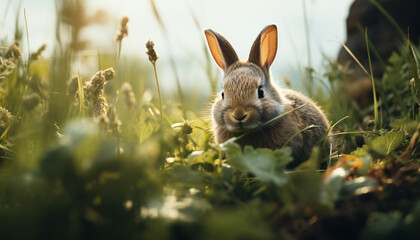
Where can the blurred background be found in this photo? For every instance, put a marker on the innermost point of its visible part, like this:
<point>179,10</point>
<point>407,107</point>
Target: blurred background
<point>176,27</point>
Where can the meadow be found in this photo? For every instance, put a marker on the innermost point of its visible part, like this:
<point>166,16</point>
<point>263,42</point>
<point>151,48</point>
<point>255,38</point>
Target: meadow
<point>108,156</point>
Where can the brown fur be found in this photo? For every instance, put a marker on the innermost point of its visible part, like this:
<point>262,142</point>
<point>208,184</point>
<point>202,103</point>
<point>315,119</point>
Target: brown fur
<point>242,110</point>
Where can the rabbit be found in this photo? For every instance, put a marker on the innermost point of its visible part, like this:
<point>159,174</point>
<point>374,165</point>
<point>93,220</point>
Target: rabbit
<point>250,98</point>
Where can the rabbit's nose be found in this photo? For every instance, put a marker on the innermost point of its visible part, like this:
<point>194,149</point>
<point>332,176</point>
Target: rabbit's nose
<point>239,115</point>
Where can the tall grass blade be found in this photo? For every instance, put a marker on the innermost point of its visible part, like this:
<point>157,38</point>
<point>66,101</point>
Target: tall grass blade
<point>298,132</point>
<point>27,37</point>
<point>171,60</point>
<point>414,65</point>
<point>160,96</point>
<point>6,10</point>
<point>373,48</point>
<point>308,43</point>
<point>375,104</point>
<point>82,113</point>
<point>355,58</point>
<point>389,17</point>
<point>331,128</point>
<point>208,64</point>
<point>157,15</point>
<point>309,71</point>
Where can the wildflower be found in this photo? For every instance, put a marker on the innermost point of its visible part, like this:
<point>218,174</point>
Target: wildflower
<point>151,52</point>
<point>129,95</point>
<point>123,29</point>
<point>37,54</point>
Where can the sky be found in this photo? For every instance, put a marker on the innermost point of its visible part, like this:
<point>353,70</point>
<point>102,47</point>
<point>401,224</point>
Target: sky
<point>240,21</point>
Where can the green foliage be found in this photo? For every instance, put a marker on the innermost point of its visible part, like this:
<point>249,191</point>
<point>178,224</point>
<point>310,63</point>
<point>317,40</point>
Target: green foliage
<point>267,166</point>
<point>392,225</point>
<point>384,145</point>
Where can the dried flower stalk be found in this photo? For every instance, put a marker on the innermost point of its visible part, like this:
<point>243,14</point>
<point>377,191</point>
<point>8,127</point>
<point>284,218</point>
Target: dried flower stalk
<point>153,58</point>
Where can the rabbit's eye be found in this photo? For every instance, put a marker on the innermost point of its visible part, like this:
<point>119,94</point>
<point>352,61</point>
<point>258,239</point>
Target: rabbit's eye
<point>260,92</point>
<point>223,95</point>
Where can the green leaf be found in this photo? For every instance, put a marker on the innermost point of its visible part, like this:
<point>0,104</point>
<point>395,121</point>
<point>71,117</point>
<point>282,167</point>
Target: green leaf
<point>267,165</point>
<point>203,159</point>
<point>184,175</point>
<point>360,152</point>
<point>384,145</point>
<point>405,123</point>
<point>231,146</point>
<point>307,185</point>
<point>5,148</point>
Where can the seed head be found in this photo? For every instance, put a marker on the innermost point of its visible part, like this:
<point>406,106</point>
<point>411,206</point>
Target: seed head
<point>114,121</point>
<point>94,91</point>
<point>151,51</point>
<point>123,29</point>
<point>38,53</point>
<point>95,87</point>
<point>103,121</point>
<point>187,128</point>
<point>100,107</point>
<point>109,74</point>
<point>129,96</point>
<point>5,117</point>
<point>14,51</point>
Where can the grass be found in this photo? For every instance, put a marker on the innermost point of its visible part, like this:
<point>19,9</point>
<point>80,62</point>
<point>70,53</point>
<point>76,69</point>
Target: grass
<point>127,173</point>
<point>375,104</point>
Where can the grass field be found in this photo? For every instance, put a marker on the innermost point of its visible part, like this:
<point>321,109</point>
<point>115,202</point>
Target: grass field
<point>109,157</point>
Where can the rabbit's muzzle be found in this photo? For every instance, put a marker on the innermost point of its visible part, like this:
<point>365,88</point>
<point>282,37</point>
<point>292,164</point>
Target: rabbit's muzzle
<point>241,118</point>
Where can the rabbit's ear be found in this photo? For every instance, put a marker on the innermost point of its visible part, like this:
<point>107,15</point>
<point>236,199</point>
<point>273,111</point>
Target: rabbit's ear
<point>221,50</point>
<point>264,49</point>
